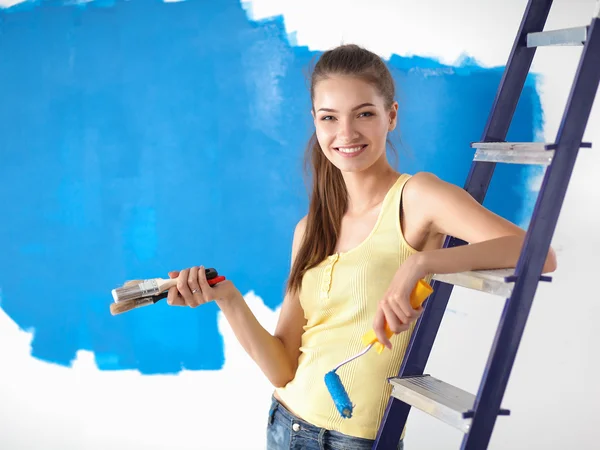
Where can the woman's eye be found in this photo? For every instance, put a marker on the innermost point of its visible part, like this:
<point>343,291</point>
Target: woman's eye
<point>362,114</point>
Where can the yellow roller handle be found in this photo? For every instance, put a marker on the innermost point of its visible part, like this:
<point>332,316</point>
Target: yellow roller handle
<point>419,294</point>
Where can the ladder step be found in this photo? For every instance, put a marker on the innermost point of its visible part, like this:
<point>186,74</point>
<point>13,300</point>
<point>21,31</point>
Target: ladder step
<point>567,36</point>
<point>516,152</point>
<point>438,399</point>
<point>513,152</point>
<point>497,282</point>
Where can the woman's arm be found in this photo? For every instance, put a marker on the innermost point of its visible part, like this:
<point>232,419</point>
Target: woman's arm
<point>498,253</point>
<point>276,355</point>
<point>435,208</point>
<point>494,242</point>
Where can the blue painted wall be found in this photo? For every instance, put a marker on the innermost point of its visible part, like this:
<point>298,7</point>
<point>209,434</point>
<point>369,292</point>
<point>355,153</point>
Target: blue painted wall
<point>140,137</point>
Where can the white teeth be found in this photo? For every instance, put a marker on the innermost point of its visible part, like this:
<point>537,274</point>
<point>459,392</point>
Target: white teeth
<point>350,149</point>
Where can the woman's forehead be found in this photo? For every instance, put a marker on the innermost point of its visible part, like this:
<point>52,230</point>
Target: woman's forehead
<point>344,92</point>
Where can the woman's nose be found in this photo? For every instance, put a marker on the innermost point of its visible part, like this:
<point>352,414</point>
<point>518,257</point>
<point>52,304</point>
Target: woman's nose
<point>346,131</point>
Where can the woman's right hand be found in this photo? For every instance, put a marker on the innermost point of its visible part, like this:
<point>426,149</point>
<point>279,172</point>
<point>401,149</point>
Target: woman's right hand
<point>193,289</point>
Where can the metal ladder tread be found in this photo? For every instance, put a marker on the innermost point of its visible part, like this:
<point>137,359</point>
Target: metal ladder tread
<point>444,401</point>
<point>566,36</point>
<point>497,282</point>
<point>517,152</point>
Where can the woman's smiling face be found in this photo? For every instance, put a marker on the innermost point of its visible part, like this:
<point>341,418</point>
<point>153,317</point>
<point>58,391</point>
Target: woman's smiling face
<point>352,122</point>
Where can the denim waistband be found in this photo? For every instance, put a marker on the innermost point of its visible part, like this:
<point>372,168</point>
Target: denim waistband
<point>297,425</point>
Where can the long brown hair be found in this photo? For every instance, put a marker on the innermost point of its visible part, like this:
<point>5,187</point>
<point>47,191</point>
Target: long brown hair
<point>329,198</point>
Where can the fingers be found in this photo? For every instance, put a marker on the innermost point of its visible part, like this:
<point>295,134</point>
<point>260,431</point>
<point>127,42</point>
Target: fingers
<point>184,288</point>
<point>396,324</point>
<point>197,297</point>
<point>402,309</point>
<point>379,327</point>
<point>192,288</point>
<point>396,314</point>
<point>173,297</point>
<point>409,313</point>
<point>205,288</point>
<point>396,307</point>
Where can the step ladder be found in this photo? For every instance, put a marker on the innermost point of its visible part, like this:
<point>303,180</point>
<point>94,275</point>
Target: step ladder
<point>475,415</point>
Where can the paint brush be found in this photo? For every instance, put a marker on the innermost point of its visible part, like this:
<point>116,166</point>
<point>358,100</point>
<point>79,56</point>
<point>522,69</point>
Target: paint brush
<point>138,289</point>
<point>128,305</point>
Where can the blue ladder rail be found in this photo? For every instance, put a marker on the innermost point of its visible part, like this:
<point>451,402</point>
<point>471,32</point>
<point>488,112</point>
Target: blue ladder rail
<point>537,241</point>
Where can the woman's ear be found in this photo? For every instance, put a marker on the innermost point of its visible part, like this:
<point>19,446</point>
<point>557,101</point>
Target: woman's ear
<point>393,116</point>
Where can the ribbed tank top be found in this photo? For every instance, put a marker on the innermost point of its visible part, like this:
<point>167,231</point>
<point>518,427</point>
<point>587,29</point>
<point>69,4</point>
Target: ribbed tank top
<point>340,297</point>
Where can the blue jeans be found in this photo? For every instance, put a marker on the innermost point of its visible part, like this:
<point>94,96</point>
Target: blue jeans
<point>285,431</point>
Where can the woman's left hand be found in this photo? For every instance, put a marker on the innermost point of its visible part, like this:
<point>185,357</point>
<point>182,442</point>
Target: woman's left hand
<point>395,308</point>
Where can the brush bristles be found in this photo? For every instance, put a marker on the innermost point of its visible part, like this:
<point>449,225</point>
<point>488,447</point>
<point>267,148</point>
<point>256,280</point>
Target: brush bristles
<point>128,305</point>
<point>121,307</point>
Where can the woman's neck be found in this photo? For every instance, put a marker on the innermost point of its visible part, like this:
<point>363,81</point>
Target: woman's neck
<point>368,188</point>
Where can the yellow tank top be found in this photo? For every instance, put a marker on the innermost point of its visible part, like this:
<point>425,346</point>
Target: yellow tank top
<point>340,297</point>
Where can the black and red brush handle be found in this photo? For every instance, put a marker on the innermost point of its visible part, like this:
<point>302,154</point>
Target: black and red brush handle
<point>212,276</point>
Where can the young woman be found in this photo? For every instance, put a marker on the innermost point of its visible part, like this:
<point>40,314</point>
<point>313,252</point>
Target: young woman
<point>370,234</point>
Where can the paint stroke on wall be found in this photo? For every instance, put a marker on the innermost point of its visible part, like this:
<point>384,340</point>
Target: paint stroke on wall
<point>148,137</point>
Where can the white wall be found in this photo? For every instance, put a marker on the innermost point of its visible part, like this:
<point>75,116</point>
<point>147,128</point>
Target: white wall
<point>552,393</point>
